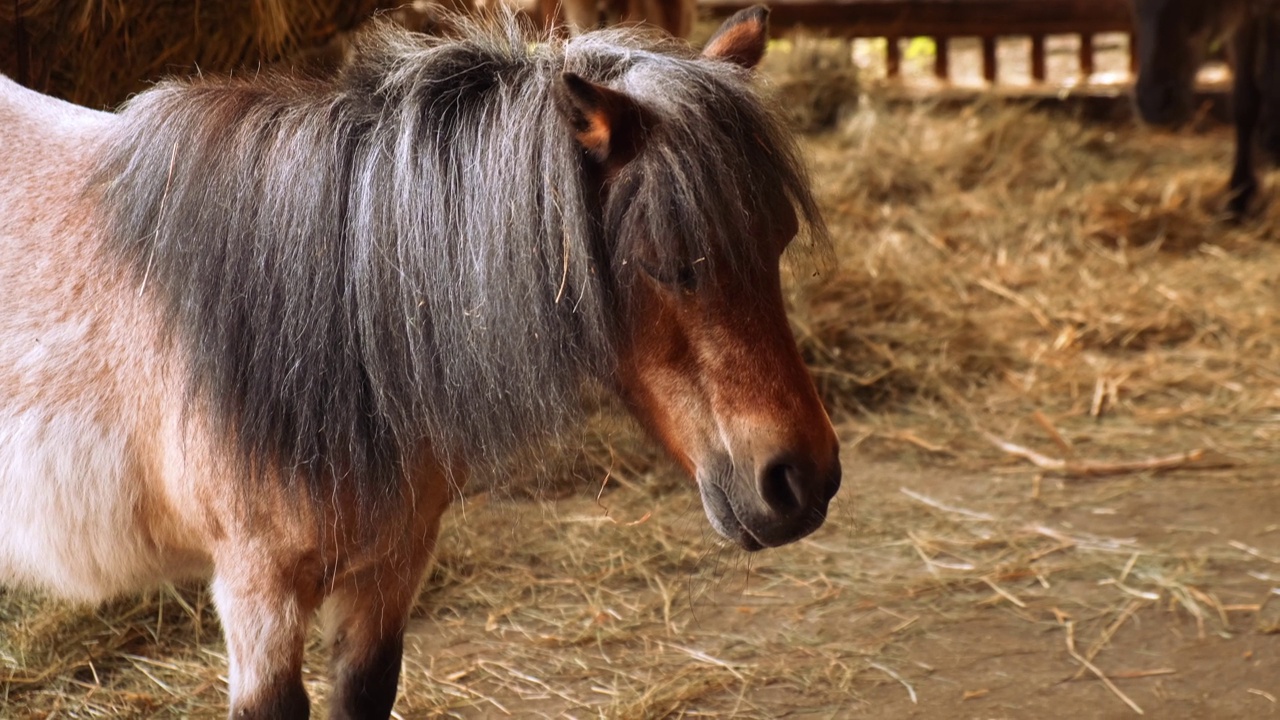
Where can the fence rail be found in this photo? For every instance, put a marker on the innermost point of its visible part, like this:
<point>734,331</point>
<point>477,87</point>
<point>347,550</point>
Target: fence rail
<point>942,20</point>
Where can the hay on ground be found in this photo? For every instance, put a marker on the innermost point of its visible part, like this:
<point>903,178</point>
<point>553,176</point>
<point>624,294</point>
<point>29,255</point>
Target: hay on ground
<point>98,52</point>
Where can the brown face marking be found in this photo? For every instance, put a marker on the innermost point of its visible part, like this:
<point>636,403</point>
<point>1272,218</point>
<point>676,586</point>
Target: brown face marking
<point>658,366</point>
<point>721,360</point>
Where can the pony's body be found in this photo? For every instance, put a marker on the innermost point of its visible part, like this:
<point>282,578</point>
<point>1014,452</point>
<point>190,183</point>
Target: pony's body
<point>80,412</point>
<point>1174,37</point>
<point>262,329</point>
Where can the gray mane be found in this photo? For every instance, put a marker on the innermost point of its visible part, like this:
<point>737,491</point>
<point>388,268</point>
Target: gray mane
<point>417,249</point>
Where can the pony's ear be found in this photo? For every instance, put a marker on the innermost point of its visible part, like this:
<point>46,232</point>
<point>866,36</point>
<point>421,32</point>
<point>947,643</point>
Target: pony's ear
<point>609,125</point>
<point>742,38</point>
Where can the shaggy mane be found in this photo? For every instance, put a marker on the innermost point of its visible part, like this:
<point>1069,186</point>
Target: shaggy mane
<point>416,249</point>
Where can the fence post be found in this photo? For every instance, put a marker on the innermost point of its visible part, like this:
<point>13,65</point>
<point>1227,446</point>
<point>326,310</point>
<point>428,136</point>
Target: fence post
<point>989,58</point>
<point>892,57</point>
<point>1086,56</point>
<point>1038,70</point>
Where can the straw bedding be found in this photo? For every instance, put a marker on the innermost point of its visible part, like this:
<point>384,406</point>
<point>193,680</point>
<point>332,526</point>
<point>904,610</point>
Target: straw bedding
<point>98,52</point>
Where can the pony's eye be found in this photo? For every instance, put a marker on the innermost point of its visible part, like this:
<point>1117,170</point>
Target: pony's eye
<point>687,277</point>
<point>681,276</point>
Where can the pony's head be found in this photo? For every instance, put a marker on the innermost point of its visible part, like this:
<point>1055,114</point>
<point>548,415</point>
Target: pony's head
<point>703,192</point>
<point>1173,37</point>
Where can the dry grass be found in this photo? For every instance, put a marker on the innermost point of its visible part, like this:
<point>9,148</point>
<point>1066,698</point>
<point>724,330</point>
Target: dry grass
<point>993,263</point>
<point>816,80</point>
<point>998,261</point>
<point>98,52</point>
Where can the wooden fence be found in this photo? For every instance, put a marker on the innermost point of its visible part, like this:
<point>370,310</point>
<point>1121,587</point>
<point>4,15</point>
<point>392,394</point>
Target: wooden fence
<point>942,20</point>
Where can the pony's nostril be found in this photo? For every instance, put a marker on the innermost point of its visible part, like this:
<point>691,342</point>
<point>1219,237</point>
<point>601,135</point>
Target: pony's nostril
<point>780,488</point>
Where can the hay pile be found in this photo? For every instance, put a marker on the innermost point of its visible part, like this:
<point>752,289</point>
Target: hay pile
<point>815,79</point>
<point>98,52</point>
<point>997,270</point>
<point>1001,261</point>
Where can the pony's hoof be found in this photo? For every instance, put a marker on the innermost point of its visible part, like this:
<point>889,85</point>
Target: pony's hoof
<point>1239,202</point>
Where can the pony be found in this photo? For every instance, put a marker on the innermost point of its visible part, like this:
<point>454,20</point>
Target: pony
<point>1173,37</point>
<point>261,329</point>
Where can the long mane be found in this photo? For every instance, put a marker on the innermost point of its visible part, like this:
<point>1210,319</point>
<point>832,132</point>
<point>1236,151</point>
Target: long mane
<point>414,250</point>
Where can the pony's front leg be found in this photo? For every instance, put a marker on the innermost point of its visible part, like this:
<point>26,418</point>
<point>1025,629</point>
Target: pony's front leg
<point>1269,85</point>
<point>366,614</point>
<point>366,637</point>
<point>1247,99</point>
<point>265,613</point>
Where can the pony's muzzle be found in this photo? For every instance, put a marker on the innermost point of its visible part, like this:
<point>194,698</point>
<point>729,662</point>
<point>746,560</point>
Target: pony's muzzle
<point>1163,104</point>
<point>788,500</point>
<point>793,494</point>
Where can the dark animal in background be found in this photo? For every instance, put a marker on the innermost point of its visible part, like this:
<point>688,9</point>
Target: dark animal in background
<point>674,16</point>
<point>261,329</point>
<point>1173,38</point>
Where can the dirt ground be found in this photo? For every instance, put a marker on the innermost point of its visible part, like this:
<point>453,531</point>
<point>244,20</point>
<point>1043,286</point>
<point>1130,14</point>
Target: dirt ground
<point>934,591</point>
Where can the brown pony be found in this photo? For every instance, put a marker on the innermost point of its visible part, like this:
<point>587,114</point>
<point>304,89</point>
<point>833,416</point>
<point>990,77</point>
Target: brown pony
<point>1173,38</point>
<point>674,16</point>
<point>262,329</point>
